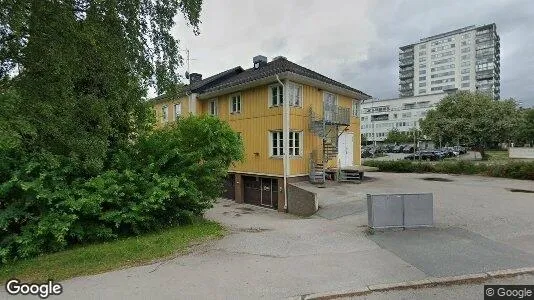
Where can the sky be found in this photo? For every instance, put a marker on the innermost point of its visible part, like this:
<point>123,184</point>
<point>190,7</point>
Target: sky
<point>355,42</point>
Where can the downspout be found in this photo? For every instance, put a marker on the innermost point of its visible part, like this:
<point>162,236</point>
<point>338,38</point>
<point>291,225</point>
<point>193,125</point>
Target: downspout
<point>285,130</point>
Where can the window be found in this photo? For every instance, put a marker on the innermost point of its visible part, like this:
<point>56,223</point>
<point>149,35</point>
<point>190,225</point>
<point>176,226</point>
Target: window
<point>465,57</point>
<point>466,64</point>
<point>422,84</point>
<point>356,108</point>
<point>422,66</point>
<point>177,111</point>
<point>277,143</point>
<point>465,71</point>
<point>165,113</point>
<point>422,53</point>
<point>423,46</point>
<point>465,84</point>
<point>294,93</point>
<point>276,95</point>
<point>422,91</point>
<point>235,104</point>
<point>212,107</point>
<point>465,50</point>
<point>464,78</point>
<point>422,59</point>
<point>421,78</point>
<point>422,72</point>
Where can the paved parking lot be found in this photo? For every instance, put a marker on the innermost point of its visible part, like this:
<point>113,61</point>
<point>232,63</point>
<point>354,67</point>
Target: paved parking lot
<point>274,255</point>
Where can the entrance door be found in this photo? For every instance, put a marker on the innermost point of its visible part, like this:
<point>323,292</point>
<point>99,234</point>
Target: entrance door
<point>269,192</point>
<point>346,148</point>
<point>261,191</point>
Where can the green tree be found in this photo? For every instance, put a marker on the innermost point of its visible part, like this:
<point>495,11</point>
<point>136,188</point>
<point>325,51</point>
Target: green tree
<point>83,67</point>
<point>525,131</point>
<point>474,119</point>
<point>397,137</point>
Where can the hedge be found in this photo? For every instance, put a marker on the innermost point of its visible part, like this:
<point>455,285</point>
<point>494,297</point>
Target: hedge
<point>514,170</point>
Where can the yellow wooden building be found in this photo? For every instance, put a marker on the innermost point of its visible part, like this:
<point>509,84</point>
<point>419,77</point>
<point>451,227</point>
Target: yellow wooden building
<point>321,125</point>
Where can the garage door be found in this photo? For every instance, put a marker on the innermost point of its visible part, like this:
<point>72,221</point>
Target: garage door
<point>261,191</point>
<point>229,187</point>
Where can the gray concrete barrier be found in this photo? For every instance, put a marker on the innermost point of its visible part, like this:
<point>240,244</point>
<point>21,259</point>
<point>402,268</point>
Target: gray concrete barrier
<point>400,210</point>
<point>301,202</point>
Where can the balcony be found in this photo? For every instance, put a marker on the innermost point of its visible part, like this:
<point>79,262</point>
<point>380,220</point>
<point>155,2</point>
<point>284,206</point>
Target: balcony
<point>405,88</point>
<point>406,94</point>
<point>406,62</point>
<point>336,115</point>
<point>406,82</point>
<point>406,75</point>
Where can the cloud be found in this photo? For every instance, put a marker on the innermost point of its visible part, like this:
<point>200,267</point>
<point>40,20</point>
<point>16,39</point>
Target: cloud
<point>355,42</point>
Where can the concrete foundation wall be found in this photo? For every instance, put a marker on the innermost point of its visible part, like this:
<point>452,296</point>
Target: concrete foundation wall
<point>521,152</point>
<point>301,202</point>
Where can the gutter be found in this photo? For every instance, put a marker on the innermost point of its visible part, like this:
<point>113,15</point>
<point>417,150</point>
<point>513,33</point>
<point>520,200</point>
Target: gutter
<point>285,130</point>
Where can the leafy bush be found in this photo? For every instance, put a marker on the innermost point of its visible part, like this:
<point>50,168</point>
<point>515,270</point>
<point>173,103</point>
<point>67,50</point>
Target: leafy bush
<point>515,170</point>
<point>164,178</point>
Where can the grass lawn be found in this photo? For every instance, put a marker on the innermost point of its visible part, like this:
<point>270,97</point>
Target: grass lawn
<point>99,258</point>
<point>497,155</point>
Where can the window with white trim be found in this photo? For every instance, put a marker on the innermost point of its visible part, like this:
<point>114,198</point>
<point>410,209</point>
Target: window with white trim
<point>235,104</point>
<point>165,113</point>
<point>212,107</point>
<point>294,94</point>
<point>355,108</point>
<point>177,110</point>
<point>277,143</point>
<point>276,95</point>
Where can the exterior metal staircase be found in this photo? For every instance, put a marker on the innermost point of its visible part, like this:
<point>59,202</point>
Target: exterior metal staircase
<point>327,128</point>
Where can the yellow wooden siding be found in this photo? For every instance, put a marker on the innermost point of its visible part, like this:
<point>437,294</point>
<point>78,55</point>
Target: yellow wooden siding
<point>256,120</point>
<point>170,104</point>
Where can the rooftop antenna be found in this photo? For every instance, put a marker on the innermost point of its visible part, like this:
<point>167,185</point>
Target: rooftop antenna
<point>188,59</point>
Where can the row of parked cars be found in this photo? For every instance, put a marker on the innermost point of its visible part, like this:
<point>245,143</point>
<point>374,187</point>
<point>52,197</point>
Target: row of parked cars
<point>437,154</point>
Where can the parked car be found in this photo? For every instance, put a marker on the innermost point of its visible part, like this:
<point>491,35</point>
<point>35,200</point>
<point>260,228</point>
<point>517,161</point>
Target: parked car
<point>460,149</point>
<point>408,149</point>
<point>425,155</point>
<point>398,149</point>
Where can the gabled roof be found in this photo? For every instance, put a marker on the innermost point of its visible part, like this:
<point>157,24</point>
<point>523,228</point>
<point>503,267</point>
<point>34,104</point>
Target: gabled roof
<point>200,86</point>
<point>274,67</point>
<point>237,76</point>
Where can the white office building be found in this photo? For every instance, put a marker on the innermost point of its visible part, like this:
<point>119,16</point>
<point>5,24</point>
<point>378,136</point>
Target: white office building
<point>378,117</point>
<point>465,59</point>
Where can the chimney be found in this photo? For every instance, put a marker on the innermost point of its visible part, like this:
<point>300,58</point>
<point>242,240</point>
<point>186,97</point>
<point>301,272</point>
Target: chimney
<point>195,77</point>
<point>259,61</point>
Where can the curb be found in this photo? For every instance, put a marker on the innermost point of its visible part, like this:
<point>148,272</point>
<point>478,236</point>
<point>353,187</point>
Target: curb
<point>428,282</point>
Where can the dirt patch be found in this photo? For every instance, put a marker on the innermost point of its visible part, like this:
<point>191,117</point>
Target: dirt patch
<point>521,191</point>
<point>440,179</point>
<point>245,208</point>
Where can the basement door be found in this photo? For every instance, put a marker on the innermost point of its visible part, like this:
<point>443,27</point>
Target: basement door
<point>261,191</point>
<point>346,149</point>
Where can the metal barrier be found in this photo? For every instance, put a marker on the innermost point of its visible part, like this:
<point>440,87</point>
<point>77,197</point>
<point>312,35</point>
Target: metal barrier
<point>400,210</point>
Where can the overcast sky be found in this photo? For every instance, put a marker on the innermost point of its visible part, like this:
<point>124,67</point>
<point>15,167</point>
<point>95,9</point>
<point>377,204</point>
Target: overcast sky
<point>355,42</point>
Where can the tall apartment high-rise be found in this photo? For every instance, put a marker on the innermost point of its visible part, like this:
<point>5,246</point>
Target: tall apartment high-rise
<point>466,59</point>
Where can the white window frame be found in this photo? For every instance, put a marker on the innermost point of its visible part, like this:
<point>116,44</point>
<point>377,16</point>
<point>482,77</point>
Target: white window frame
<point>177,113</point>
<point>231,104</point>
<point>278,135</point>
<point>355,108</point>
<point>215,107</point>
<point>165,113</point>
<point>279,101</point>
<point>292,86</point>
